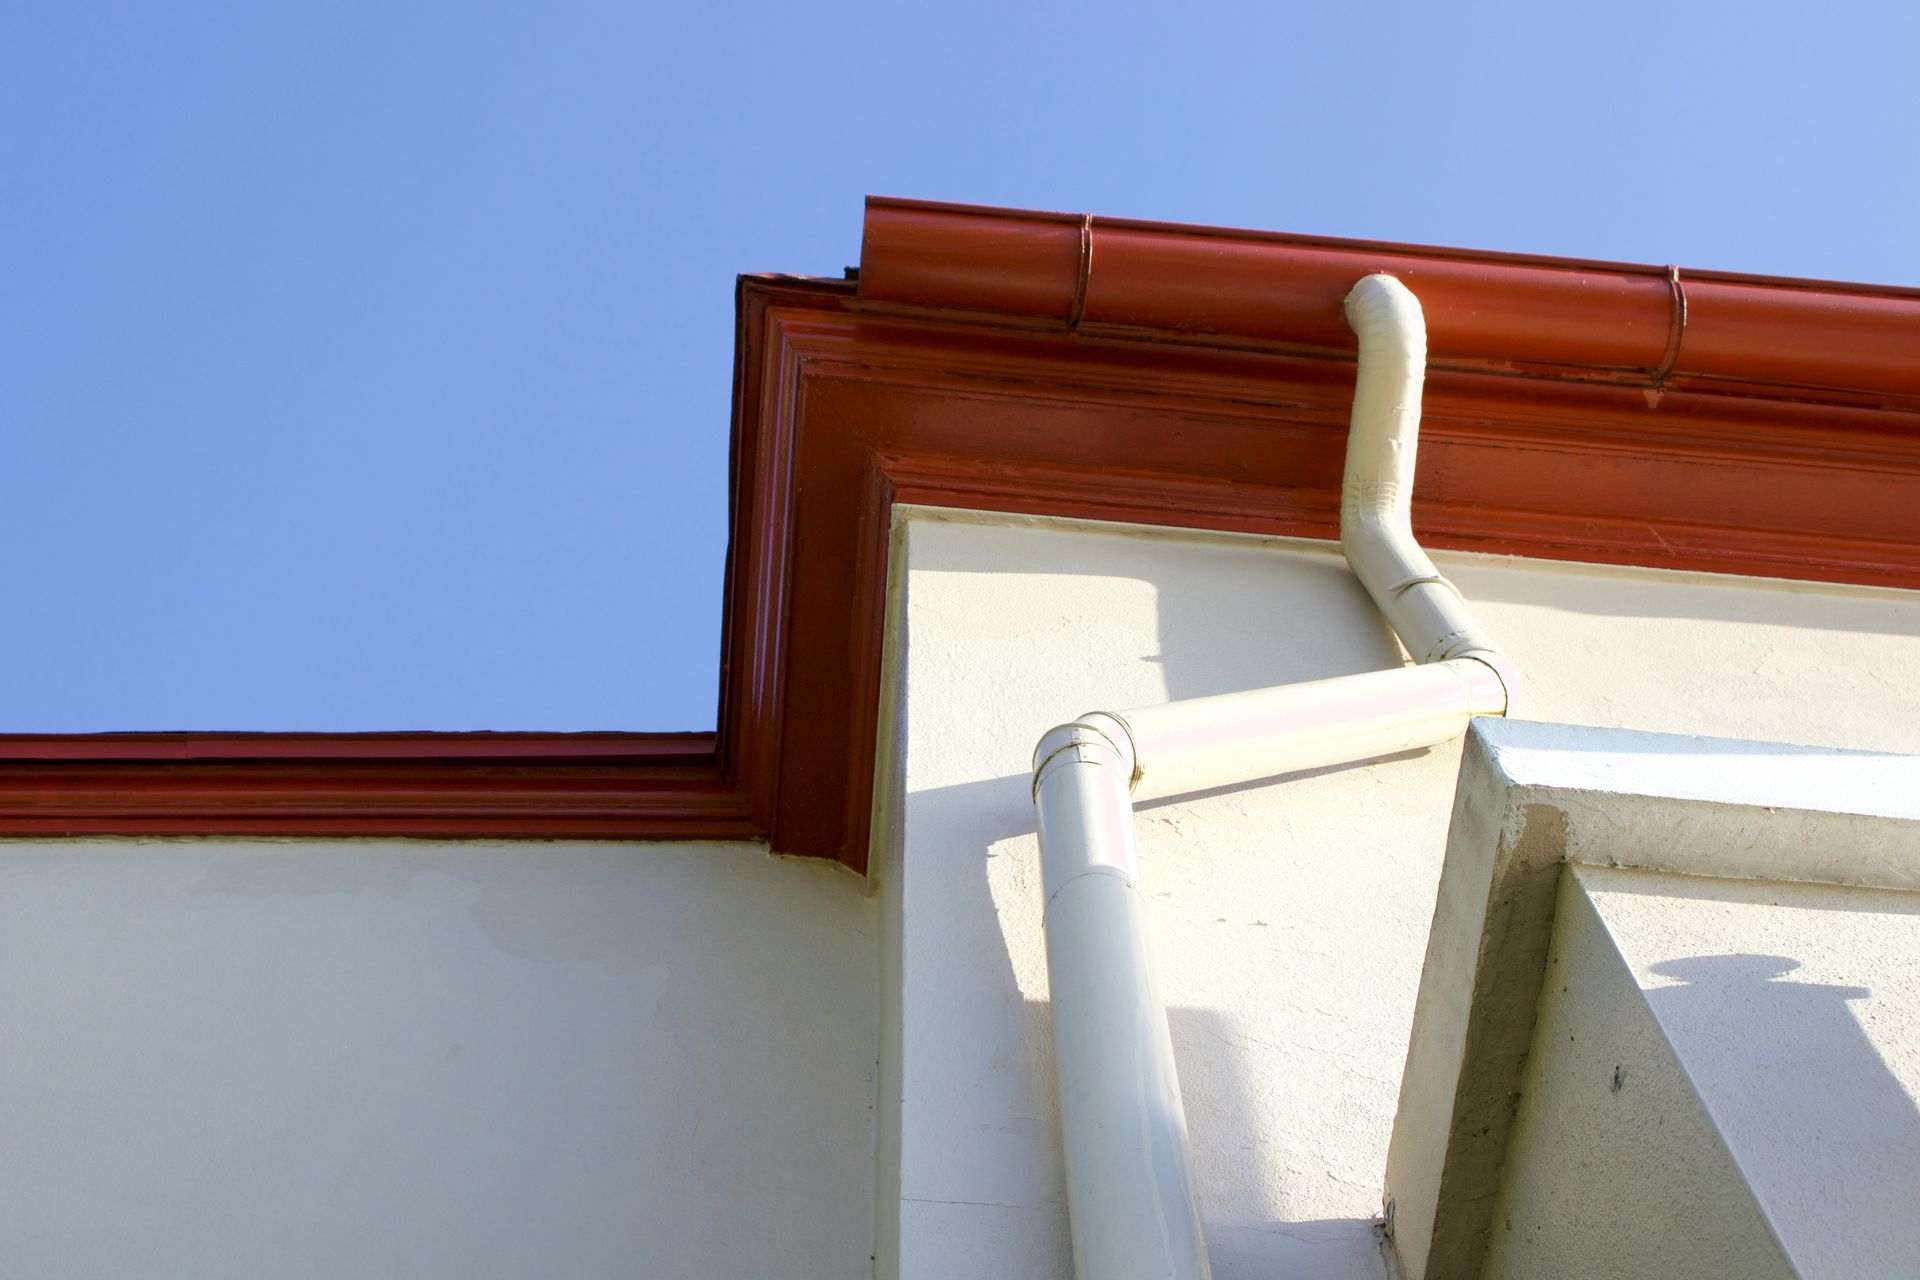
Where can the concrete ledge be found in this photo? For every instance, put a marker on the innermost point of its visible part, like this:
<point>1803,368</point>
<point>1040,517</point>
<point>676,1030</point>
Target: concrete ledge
<point>1533,797</point>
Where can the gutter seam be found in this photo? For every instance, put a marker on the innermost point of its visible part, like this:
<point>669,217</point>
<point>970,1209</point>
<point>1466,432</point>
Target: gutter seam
<point>1083,276</point>
<point>1676,328</point>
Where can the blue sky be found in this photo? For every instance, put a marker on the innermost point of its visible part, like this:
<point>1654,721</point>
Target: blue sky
<point>368,366</point>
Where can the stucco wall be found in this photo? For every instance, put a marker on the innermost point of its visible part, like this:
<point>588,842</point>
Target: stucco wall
<point>1291,918</point>
<point>1794,1010</point>
<point>1614,1172</point>
<point>416,1060</point>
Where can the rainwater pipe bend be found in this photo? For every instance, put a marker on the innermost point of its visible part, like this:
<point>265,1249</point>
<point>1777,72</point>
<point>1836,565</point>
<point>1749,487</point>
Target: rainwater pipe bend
<point>1425,610</point>
<point>1129,1174</point>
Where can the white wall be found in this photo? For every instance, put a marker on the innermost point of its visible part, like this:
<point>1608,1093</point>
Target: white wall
<point>1292,918</point>
<point>1698,818</point>
<point>1614,1171</point>
<point>410,1060</point>
<point>1794,1010</point>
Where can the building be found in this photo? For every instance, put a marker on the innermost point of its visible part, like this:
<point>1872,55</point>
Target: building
<point>775,1002</point>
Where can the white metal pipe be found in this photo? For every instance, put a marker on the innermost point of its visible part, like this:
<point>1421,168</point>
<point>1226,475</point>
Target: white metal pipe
<point>1129,1180</point>
<point>1130,1198</point>
<point>1376,494</point>
<point>1202,743</point>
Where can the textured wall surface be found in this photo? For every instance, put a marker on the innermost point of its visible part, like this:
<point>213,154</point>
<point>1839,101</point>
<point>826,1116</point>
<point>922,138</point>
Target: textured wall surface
<point>412,1060</point>
<point>1614,1170</point>
<point>1292,918</point>
<point>1795,1011</point>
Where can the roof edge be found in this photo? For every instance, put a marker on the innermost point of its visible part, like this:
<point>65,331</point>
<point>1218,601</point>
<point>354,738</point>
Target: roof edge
<point>1103,275</point>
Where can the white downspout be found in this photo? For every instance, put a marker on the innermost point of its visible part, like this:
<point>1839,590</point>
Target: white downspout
<point>1129,1181</point>
<point>1376,493</point>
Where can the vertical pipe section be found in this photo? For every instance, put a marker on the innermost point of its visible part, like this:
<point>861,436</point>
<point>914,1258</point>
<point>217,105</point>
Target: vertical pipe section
<point>1129,1182</point>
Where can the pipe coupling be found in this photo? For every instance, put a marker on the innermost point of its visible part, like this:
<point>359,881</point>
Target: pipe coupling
<point>1098,737</point>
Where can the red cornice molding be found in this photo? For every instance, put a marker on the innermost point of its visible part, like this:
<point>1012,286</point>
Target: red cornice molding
<point>873,405</point>
<point>1037,364</point>
<point>444,786</point>
<point>651,749</point>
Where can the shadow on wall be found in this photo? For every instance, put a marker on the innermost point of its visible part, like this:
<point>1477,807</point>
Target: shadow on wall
<point>1827,1135</point>
<point>1625,593</point>
<point>1232,614</point>
<point>1016,1117</point>
<point>1228,615</point>
<point>1235,1155</point>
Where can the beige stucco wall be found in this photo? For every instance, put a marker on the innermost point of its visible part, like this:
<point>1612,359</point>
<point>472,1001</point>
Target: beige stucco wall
<point>410,1060</point>
<point>1614,1170</point>
<point>1794,1010</point>
<point>1291,918</point>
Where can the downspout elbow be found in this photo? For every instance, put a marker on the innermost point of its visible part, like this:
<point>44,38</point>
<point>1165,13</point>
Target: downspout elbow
<point>1425,610</point>
<point>1097,738</point>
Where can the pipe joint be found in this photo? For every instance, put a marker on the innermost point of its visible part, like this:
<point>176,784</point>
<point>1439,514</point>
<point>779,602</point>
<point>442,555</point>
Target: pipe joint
<point>1430,579</point>
<point>1505,682</point>
<point>1096,738</point>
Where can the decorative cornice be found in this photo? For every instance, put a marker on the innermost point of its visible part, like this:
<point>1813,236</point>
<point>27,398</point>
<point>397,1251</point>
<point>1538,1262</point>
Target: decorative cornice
<point>444,786</point>
<point>1050,365</point>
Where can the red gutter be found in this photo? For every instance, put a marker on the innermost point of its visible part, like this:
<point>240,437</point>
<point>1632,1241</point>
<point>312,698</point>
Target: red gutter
<point>1488,310</point>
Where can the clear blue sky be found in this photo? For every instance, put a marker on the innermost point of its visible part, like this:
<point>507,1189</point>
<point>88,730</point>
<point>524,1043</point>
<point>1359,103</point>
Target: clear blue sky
<point>368,366</point>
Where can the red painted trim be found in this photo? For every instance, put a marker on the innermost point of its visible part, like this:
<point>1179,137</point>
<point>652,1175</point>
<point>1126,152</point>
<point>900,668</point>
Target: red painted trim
<point>964,410</point>
<point>1057,365</point>
<point>455,785</point>
<point>367,798</point>
<point>650,749</point>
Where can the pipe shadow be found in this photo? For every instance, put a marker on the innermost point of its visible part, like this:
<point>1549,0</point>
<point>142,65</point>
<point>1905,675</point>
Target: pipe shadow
<point>998,1047</point>
<point>1236,1155</point>
<point>1278,779</point>
<point>977,1036</point>
<point>1227,609</point>
<point>1229,615</point>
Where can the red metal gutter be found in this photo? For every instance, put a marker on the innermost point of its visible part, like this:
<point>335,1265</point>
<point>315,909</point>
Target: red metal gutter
<point>1120,277</point>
